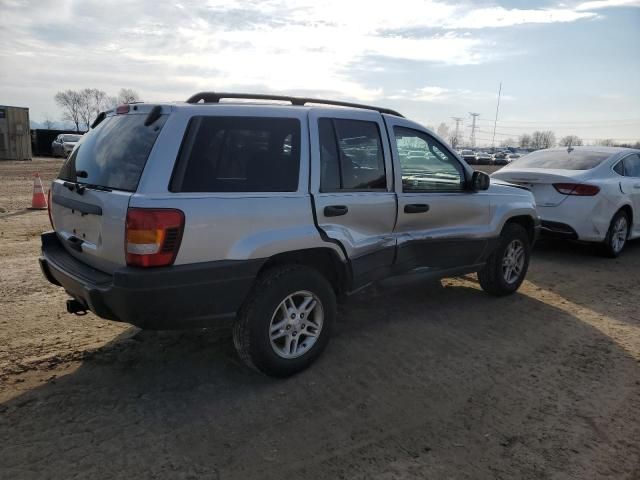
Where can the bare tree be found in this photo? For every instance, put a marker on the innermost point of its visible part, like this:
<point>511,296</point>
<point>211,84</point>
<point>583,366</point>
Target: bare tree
<point>606,142</point>
<point>508,142</point>
<point>71,103</point>
<point>111,102</point>
<point>443,130</point>
<point>100,101</point>
<point>128,95</point>
<point>570,141</point>
<point>47,121</point>
<point>86,106</point>
<point>543,139</point>
<point>524,141</point>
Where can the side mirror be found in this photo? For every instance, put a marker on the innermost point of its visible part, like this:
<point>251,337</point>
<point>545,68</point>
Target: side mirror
<point>480,181</point>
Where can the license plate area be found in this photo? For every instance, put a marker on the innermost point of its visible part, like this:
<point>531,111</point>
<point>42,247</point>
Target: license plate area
<point>84,226</point>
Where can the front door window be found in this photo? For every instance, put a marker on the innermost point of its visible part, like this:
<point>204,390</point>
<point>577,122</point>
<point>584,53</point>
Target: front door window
<point>425,164</point>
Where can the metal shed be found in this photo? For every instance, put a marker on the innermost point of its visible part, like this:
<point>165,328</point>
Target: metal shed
<point>15,136</point>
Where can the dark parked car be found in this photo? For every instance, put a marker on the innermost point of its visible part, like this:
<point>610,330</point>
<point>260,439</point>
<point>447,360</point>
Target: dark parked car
<point>484,158</point>
<point>469,156</point>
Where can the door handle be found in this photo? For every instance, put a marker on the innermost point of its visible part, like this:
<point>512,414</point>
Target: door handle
<point>416,208</point>
<point>335,210</point>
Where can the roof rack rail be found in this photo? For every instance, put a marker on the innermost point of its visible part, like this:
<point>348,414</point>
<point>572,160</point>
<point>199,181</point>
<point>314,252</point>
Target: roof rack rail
<point>215,97</point>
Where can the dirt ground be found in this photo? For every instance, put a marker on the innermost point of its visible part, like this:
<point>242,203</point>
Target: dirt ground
<point>421,381</point>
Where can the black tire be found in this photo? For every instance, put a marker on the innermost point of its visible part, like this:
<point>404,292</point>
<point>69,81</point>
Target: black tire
<point>252,326</point>
<point>492,277</point>
<point>609,248</point>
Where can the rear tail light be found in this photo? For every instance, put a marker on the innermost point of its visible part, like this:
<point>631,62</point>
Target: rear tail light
<point>49,209</point>
<point>579,189</point>
<point>153,236</point>
<point>122,109</point>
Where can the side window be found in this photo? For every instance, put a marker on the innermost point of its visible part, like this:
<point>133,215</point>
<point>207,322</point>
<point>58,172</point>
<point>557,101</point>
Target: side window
<point>426,165</point>
<point>239,154</point>
<point>351,156</point>
<point>619,168</point>
<point>632,166</point>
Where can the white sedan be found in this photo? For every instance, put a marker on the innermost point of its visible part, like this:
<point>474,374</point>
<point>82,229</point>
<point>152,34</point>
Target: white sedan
<point>583,193</point>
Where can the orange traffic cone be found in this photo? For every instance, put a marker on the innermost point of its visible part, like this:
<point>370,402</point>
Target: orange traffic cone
<point>39,200</point>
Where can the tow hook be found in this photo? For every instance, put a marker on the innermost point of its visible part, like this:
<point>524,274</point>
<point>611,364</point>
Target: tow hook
<point>74,306</point>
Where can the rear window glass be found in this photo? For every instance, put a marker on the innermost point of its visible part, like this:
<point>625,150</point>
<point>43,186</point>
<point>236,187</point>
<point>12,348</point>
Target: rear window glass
<point>239,154</point>
<point>561,159</point>
<point>114,153</point>
<point>71,138</point>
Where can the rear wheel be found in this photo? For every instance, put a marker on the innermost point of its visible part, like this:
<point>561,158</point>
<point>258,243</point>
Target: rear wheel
<point>507,266</point>
<point>617,235</point>
<point>286,321</point>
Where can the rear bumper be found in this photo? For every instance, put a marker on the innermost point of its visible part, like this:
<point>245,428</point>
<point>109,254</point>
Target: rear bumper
<point>180,296</point>
<point>550,229</point>
<point>578,218</point>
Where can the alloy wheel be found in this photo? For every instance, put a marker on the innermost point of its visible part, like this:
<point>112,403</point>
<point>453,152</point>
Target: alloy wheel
<point>619,234</point>
<point>513,261</point>
<point>296,324</point>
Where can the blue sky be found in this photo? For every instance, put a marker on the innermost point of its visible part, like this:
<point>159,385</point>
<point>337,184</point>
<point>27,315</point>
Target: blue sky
<point>573,67</point>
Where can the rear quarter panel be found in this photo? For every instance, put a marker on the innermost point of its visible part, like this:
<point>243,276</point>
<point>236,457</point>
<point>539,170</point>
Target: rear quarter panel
<point>231,225</point>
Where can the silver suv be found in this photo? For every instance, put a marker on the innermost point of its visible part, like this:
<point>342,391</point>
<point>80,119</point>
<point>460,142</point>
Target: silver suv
<point>186,215</point>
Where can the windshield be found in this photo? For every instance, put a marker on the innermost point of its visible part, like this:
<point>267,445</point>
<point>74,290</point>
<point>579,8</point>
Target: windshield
<point>113,154</point>
<point>71,138</point>
<point>561,159</point>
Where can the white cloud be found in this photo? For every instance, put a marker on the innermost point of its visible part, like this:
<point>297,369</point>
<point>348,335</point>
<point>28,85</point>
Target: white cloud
<point>169,50</point>
<point>436,94</point>
<point>599,4</point>
<point>502,17</point>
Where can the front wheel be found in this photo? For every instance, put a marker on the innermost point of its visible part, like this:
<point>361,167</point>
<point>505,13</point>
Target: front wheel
<point>507,266</point>
<point>286,321</point>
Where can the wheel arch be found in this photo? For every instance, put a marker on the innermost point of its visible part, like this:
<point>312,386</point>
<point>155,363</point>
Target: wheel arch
<point>324,260</point>
<point>526,222</point>
<point>626,208</point>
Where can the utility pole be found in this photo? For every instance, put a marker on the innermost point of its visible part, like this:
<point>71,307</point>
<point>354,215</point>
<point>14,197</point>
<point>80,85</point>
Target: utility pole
<point>457,136</point>
<point>493,140</point>
<point>474,116</point>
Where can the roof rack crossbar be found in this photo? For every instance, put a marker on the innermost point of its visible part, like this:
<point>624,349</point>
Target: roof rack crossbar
<point>215,97</point>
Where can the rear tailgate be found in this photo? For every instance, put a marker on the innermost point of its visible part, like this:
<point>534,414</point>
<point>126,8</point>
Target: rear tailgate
<point>540,182</point>
<point>90,198</point>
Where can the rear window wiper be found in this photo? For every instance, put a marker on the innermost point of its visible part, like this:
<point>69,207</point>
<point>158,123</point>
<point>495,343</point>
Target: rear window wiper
<point>94,187</point>
<point>81,187</point>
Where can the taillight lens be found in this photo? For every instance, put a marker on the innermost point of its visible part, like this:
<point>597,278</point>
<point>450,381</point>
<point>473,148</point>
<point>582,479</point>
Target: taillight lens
<point>121,109</point>
<point>49,209</point>
<point>153,236</point>
<point>579,189</point>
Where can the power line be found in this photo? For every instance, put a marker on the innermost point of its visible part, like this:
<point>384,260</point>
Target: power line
<point>564,127</point>
<point>474,117</point>
<point>493,141</point>
<point>570,122</point>
<point>457,137</point>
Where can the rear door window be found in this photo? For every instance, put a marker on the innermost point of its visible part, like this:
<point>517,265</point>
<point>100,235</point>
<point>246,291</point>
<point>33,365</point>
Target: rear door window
<point>632,165</point>
<point>351,155</point>
<point>239,154</point>
<point>113,154</point>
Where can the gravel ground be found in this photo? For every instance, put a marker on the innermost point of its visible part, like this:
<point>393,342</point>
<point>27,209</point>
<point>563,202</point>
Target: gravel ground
<point>424,380</point>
